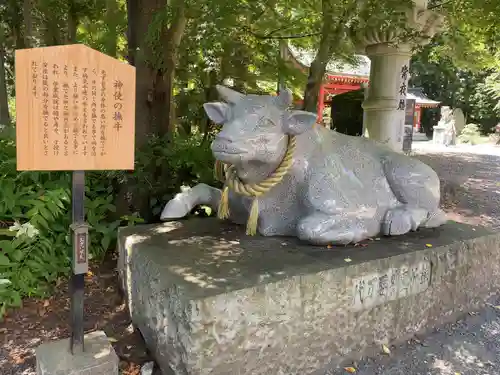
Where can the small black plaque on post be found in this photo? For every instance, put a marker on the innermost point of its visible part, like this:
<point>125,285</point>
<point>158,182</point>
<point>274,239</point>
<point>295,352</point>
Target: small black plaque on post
<point>409,123</point>
<point>80,248</point>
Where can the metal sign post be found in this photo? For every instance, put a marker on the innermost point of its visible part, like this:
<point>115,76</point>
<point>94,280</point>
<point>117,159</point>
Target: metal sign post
<point>80,261</point>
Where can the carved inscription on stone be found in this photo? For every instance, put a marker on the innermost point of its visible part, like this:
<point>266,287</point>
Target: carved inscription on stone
<point>403,87</point>
<point>377,288</point>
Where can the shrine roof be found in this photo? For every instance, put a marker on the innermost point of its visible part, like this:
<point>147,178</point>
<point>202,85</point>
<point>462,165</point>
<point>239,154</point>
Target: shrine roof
<point>334,67</point>
<point>421,99</point>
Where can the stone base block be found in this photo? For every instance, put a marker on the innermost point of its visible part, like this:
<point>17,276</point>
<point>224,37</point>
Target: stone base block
<point>99,357</point>
<point>210,300</point>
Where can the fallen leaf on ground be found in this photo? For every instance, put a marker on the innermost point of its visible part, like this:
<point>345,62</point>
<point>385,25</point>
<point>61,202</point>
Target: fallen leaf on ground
<point>385,349</point>
<point>350,370</point>
<point>347,260</point>
<point>428,245</point>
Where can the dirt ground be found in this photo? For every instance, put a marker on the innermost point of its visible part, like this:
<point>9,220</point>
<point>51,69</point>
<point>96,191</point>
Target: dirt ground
<point>48,319</point>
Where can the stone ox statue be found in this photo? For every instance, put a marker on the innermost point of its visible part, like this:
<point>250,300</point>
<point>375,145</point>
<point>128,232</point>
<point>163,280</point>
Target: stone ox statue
<point>290,177</point>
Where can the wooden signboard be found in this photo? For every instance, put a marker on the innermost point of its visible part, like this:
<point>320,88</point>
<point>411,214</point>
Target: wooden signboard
<point>75,110</point>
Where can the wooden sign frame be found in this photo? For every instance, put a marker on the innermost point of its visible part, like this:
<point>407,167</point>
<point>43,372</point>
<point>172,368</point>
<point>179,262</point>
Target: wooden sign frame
<point>75,110</point>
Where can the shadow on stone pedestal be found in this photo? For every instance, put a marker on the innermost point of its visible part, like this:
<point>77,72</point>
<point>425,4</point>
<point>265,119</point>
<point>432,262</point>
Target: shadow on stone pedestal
<point>99,357</point>
<point>210,300</point>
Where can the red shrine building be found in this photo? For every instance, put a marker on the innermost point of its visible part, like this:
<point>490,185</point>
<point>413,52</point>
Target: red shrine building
<point>344,77</point>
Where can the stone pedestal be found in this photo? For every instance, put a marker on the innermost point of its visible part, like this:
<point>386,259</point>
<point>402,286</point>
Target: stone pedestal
<point>419,137</point>
<point>438,135</point>
<point>99,357</point>
<point>210,300</point>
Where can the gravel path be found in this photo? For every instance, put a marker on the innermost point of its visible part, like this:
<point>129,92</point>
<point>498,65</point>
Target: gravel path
<point>470,180</point>
<point>470,346</point>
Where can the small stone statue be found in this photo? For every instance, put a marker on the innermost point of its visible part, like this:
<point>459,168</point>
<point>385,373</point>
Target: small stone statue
<point>287,176</point>
<point>445,132</point>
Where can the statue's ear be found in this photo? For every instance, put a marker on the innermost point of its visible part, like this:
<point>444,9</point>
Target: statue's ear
<point>298,122</point>
<point>217,112</point>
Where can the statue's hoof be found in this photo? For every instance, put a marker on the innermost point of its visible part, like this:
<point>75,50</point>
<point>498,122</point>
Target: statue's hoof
<point>401,220</point>
<point>175,209</point>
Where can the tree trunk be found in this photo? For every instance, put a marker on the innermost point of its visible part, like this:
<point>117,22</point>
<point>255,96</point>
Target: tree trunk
<point>132,8</point>
<point>72,23</point>
<point>317,71</point>
<point>111,21</point>
<point>150,114</point>
<point>173,39</point>
<point>148,100</point>
<point>17,25</point>
<point>4,101</point>
<point>28,23</point>
<point>331,37</point>
<point>51,32</point>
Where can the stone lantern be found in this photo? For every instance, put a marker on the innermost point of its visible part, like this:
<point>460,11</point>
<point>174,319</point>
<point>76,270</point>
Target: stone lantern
<point>390,49</point>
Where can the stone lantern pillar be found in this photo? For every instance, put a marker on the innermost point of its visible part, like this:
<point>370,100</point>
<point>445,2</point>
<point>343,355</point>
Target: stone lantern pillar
<point>390,53</point>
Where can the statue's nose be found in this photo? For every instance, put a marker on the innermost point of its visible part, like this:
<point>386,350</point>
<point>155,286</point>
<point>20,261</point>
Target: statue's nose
<point>227,135</point>
<point>224,138</point>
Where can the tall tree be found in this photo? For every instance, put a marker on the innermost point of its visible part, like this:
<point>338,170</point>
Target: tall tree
<point>332,39</point>
<point>156,30</point>
<point>4,101</point>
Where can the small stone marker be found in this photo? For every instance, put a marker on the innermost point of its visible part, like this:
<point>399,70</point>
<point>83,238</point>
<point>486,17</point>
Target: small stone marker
<point>75,112</point>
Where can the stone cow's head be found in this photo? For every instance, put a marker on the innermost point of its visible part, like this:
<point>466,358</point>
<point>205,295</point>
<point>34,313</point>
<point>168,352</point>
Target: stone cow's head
<point>255,127</point>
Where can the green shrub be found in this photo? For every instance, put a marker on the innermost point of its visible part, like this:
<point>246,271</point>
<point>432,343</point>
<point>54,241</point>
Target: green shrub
<point>35,209</point>
<point>471,134</point>
<point>163,166</point>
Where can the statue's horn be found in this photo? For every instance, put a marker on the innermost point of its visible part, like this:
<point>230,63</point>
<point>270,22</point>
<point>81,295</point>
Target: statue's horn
<point>285,98</point>
<point>229,95</point>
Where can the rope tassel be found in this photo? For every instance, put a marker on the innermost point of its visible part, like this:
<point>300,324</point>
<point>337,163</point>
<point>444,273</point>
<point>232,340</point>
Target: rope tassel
<point>253,218</point>
<point>223,211</point>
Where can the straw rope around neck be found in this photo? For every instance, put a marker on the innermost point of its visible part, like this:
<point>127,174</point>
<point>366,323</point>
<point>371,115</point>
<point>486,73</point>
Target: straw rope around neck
<point>227,173</point>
